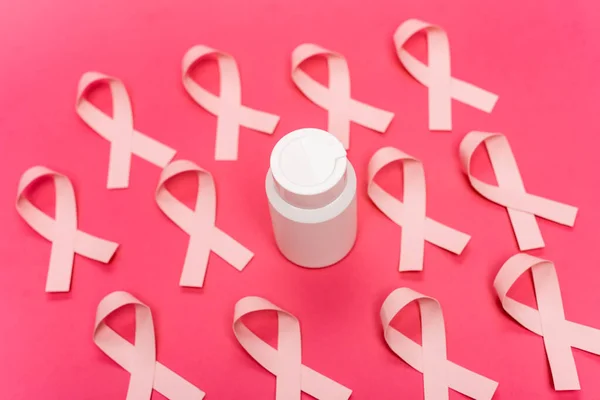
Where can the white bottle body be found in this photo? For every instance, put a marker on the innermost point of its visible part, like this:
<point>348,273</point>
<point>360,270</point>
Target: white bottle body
<point>313,228</point>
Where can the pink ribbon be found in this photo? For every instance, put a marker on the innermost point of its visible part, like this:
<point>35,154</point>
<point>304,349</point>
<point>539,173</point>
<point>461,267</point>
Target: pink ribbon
<point>199,224</point>
<point>139,359</point>
<point>548,320</point>
<point>61,230</point>
<point>436,76</point>
<point>439,374</point>
<point>118,130</point>
<point>336,98</point>
<point>227,107</point>
<point>285,362</point>
<point>522,207</point>
<point>410,213</point>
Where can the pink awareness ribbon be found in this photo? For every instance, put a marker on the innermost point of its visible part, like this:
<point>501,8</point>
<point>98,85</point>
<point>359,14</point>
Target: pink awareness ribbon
<point>227,107</point>
<point>139,359</point>
<point>548,320</point>
<point>285,362</point>
<point>199,224</point>
<point>61,230</point>
<point>410,213</point>
<point>439,374</point>
<point>522,207</point>
<point>436,75</point>
<point>118,130</point>
<point>336,98</point>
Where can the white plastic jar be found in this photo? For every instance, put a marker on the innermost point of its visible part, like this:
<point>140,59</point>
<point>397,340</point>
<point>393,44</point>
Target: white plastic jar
<point>311,188</point>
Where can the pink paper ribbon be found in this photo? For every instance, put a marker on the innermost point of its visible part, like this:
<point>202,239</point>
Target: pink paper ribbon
<point>522,207</point>
<point>285,362</point>
<point>439,374</point>
<point>61,230</point>
<point>336,98</point>
<point>118,130</point>
<point>139,359</point>
<point>199,224</point>
<point>227,107</point>
<point>436,76</point>
<point>548,320</point>
<point>410,213</point>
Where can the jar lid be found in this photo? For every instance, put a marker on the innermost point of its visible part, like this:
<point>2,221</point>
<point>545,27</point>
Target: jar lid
<point>309,166</point>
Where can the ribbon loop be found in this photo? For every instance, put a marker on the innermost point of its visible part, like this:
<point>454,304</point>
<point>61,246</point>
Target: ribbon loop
<point>548,320</point>
<point>436,75</point>
<point>139,359</point>
<point>439,374</point>
<point>227,107</point>
<point>410,213</point>
<point>199,224</point>
<point>522,207</point>
<point>61,230</point>
<point>285,362</point>
<point>118,130</point>
<point>336,98</point>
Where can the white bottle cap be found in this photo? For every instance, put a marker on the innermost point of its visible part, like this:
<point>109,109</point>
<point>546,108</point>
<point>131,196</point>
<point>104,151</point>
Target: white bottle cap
<point>309,168</point>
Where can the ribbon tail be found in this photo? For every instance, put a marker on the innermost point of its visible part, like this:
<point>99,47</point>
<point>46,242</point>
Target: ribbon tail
<point>470,383</point>
<point>119,162</point>
<point>584,337</point>
<point>289,349</point>
<point>554,327</point>
<point>173,386</point>
<point>228,135</point>
<point>551,210</point>
<point>412,247</point>
<point>94,248</point>
<point>259,121</point>
<point>445,237</point>
<point>560,355</point>
<point>196,261</point>
<point>370,117</point>
<point>472,95</point>
<point>60,268</point>
<point>230,249</point>
<point>151,150</point>
<point>440,106</point>
<point>526,229</point>
<point>562,362</point>
<point>338,124</point>
<point>322,387</point>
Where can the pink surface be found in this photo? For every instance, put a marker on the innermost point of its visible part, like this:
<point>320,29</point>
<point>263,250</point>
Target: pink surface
<point>541,60</point>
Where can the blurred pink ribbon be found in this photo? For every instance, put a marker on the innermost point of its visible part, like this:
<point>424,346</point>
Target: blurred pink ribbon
<point>285,362</point>
<point>139,359</point>
<point>430,358</point>
<point>336,98</point>
<point>522,207</point>
<point>61,230</point>
<point>436,75</point>
<point>410,213</point>
<point>118,130</point>
<point>227,106</point>
<point>199,224</point>
<point>548,320</point>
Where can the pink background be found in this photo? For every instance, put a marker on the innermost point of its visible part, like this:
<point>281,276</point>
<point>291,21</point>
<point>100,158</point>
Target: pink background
<point>541,60</point>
